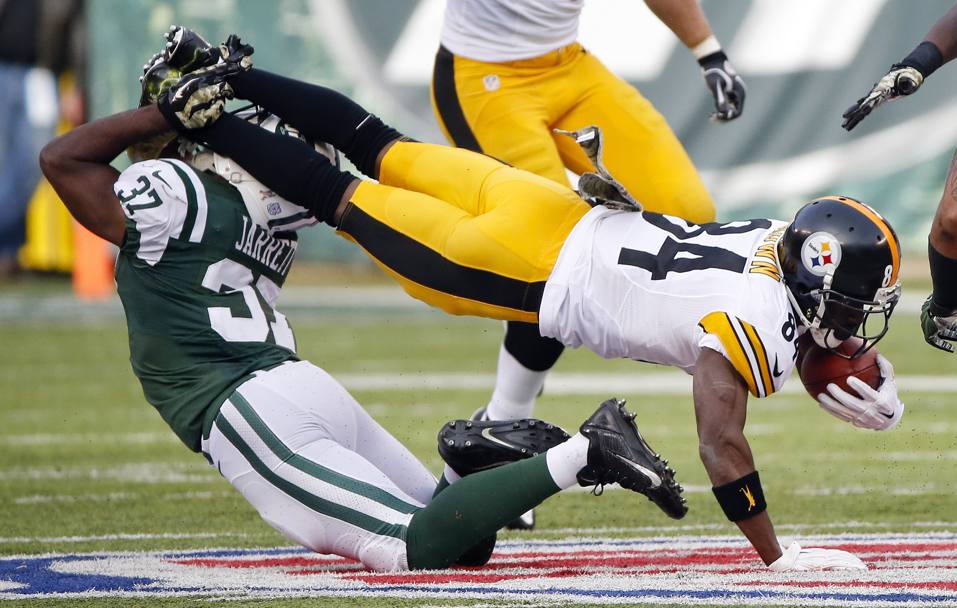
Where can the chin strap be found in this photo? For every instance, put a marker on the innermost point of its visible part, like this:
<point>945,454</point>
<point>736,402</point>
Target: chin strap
<point>599,188</point>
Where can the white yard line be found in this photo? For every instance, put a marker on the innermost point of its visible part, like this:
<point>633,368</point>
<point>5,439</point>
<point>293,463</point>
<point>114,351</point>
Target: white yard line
<point>658,383</point>
<point>108,537</point>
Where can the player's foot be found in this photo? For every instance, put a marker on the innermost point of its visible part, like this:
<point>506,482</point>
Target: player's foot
<point>469,446</point>
<point>525,521</point>
<point>617,453</point>
<point>187,51</point>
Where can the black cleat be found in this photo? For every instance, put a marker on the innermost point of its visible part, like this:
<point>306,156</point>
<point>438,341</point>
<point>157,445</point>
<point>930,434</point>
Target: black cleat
<point>617,453</point>
<point>187,51</point>
<point>469,446</point>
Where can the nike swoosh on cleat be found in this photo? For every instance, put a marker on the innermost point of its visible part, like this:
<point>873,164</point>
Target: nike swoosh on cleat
<point>651,475</point>
<point>487,433</point>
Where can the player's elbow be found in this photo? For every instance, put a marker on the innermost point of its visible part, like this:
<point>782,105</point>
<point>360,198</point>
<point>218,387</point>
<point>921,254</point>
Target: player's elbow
<point>52,158</point>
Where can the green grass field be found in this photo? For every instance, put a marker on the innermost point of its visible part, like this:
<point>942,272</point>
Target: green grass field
<point>82,455</point>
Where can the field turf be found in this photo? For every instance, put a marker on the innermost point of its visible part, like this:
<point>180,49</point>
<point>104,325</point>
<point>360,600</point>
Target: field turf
<point>87,465</point>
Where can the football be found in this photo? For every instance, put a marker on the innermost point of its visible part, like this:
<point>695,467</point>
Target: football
<point>820,367</point>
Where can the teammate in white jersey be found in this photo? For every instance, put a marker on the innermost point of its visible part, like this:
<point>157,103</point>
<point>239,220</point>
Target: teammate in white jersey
<point>199,271</point>
<point>510,72</point>
<point>726,302</point>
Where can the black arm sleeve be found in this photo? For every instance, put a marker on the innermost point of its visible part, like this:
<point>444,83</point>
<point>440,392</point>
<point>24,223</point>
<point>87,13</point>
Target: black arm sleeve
<point>288,166</point>
<point>320,114</point>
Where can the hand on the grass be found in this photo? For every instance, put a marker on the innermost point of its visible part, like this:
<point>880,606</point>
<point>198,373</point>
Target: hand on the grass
<point>877,409</point>
<point>940,327</point>
<point>797,559</point>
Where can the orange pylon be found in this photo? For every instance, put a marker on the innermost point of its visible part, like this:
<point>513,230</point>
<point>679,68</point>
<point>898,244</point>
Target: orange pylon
<point>92,265</point>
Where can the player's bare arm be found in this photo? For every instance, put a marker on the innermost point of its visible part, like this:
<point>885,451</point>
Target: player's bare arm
<point>77,164</point>
<point>689,23</point>
<point>721,401</point>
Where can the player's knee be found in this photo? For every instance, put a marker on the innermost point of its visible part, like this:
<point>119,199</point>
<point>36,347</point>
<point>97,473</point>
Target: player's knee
<point>946,220</point>
<point>534,351</point>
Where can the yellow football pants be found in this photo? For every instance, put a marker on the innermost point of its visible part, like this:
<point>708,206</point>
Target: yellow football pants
<point>462,231</point>
<point>508,110</point>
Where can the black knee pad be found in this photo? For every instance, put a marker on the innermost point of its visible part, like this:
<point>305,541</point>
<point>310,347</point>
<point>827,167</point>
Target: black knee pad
<point>536,352</point>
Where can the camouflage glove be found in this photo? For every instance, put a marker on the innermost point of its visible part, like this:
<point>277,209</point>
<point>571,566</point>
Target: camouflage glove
<point>198,99</point>
<point>900,80</point>
<point>940,326</point>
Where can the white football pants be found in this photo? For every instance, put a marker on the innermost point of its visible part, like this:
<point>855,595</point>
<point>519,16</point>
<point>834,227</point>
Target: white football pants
<point>317,467</point>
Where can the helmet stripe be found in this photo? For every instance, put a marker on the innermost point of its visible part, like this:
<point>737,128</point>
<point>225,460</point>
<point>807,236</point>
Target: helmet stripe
<point>884,228</point>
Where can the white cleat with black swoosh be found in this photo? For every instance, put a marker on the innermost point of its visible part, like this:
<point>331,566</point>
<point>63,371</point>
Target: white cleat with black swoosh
<point>617,453</point>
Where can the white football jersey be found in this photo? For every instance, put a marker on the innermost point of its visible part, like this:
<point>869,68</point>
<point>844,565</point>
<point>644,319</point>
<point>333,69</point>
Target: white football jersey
<point>657,288</point>
<point>509,30</point>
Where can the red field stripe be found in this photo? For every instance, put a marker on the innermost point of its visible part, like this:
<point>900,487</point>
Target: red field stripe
<point>271,562</point>
<point>895,548</point>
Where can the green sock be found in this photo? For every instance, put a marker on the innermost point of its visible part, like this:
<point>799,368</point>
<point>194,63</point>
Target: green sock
<point>443,483</point>
<point>473,509</point>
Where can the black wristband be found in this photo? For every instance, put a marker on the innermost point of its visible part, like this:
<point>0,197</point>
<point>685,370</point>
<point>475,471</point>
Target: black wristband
<point>742,498</point>
<point>926,58</point>
<point>711,59</point>
<point>943,275</point>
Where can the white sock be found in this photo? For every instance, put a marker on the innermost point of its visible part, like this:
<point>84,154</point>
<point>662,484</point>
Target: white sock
<point>516,388</point>
<point>566,460</point>
<point>450,475</point>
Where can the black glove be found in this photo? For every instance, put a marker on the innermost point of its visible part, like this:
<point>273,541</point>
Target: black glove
<point>725,85</point>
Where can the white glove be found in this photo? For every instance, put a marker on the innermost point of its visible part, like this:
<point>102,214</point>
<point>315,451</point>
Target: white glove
<point>797,559</point>
<point>878,409</point>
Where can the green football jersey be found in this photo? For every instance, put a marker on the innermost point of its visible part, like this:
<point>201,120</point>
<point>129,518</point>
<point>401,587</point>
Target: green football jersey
<point>199,282</point>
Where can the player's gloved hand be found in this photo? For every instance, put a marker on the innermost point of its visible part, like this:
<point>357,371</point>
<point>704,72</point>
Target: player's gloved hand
<point>187,51</point>
<point>878,409</point>
<point>900,80</point>
<point>198,99</point>
<point>939,326</point>
<point>725,85</point>
<point>796,559</point>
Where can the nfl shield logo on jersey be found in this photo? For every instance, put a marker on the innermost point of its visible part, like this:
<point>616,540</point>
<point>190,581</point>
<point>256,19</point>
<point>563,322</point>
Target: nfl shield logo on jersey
<point>273,208</point>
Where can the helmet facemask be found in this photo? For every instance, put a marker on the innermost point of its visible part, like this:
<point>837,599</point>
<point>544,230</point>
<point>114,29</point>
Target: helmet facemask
<point>838,317</point>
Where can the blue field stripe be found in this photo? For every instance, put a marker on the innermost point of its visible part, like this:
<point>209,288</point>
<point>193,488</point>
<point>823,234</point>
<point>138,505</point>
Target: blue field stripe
<point>670,593</point>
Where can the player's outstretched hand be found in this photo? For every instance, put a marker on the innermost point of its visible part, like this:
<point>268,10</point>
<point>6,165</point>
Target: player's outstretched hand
<point>199,98</point>
<point>725,85</point>
<point>940,328</point>
<point>900,80</point>
<point>797,559</point>
<point>877,409</point>
<point>187,51</point>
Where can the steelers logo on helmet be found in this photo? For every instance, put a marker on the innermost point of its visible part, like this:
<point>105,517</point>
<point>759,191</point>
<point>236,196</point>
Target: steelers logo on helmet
<point>821,253</point>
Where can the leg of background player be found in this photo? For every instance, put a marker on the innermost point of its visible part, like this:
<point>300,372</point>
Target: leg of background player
<point>943,245</point>
<point>640,148</point>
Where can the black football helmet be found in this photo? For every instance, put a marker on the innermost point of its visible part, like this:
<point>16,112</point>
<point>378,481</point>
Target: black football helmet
<point>841,263</point>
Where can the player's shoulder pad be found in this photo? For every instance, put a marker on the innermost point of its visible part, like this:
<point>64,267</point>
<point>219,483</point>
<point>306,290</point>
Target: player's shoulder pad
<point>764,357</point>
<point>162,199</point>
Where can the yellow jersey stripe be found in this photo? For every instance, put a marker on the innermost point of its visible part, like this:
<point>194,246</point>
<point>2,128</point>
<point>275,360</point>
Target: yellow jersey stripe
<point>719,324</point>
<point>761,355</point>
